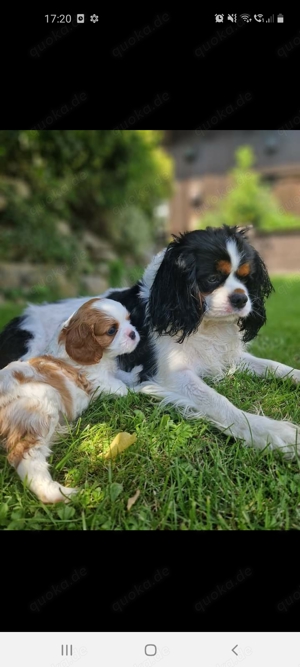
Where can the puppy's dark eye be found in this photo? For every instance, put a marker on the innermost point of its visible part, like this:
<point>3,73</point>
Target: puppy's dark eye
<point>213,278</point>
<point>112,330</point>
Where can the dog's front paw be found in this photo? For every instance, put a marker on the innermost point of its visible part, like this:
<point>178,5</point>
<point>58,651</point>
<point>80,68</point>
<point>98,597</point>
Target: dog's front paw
<point>295,375</point>
<point>55,493</point>
<point>282,435</point>
<point>130,378</point>
<point>119,390</point>
<point>67,493</point>
<point>135,374</point>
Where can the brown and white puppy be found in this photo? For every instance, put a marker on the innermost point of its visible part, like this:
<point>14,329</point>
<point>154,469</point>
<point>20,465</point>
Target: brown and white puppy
<point>38,395</point>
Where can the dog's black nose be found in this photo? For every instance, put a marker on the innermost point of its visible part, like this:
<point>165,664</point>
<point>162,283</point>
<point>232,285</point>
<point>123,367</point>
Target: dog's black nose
<point>132,335</point>
<point>238,299</point>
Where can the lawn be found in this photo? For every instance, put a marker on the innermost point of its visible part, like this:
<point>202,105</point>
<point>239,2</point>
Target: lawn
<point>189,476</point>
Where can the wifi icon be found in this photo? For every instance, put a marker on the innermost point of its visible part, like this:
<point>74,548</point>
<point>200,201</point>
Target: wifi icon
<point>246,17</point>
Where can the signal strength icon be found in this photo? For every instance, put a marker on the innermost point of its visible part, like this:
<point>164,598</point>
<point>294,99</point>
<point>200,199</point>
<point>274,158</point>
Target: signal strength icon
<point>271,19</point>
<point>246,17</point>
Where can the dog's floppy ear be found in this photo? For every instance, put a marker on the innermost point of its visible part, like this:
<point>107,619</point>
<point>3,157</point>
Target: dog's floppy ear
<point>81,343</point>
<point>175,304</point>
<point>259,288</point>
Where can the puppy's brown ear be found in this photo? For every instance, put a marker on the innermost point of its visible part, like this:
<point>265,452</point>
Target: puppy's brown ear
<point>82,345</point>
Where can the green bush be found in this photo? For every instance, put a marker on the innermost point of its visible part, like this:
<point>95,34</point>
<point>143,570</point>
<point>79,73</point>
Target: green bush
<point>89,178</point>
<point>131,232</point>
<point>249,201</point>
<point>120,274</point>
<point>37,294</point>
<point>29,233</point>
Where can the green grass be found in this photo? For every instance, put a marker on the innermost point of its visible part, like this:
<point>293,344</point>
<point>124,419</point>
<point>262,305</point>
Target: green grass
<point>189,476</point>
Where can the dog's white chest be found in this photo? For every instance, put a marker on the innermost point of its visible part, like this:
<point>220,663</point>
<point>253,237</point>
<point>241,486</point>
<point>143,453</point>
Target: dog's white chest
<point>211,352</point>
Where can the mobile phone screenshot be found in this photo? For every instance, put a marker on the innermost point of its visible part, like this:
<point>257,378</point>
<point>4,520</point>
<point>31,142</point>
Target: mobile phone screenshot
<point>149,334</point>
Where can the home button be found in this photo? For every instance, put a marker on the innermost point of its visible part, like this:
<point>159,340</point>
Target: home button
<point>150,649</point>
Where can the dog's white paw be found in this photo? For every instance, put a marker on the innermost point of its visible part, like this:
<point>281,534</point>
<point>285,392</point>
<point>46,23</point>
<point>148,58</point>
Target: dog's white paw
<point>295,375</point>
<point>135,373</point>
<point>55,493</point>
<point>130,378</point>
<point>282,435</point>
<point>120,391</point>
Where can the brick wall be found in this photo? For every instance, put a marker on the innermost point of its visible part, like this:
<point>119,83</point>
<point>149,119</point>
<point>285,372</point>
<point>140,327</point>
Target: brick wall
<point>281,252</point>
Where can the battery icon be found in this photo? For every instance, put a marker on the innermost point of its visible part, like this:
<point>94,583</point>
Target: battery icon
<point>80,18</point>
<point>279,18</point>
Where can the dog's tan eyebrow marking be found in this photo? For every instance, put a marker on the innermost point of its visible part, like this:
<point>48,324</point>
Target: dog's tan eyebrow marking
<point>224,266</point>
<point>243,270</point>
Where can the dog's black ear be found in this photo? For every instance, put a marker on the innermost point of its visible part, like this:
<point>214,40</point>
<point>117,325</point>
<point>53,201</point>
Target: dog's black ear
<point>259,288</point>
<point>176,305</point>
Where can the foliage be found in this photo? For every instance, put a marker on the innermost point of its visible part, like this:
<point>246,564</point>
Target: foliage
<point>28,230</point>
<point>249,201</point>
<point>120,274</point>
<point>131,232</point>
<point>34,294</point>
<point>86,177</point>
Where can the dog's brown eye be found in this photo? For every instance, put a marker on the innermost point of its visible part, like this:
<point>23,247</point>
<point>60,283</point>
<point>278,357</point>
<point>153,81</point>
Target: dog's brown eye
<point>213,278</point>
<point>112,330</point>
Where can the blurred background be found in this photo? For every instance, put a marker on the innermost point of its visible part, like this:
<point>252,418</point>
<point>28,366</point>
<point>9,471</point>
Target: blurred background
<point>81,210</point>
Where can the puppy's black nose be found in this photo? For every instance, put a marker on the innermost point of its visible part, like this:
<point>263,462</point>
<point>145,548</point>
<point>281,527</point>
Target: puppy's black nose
<point>238,299</point>
<point>132,335</point>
